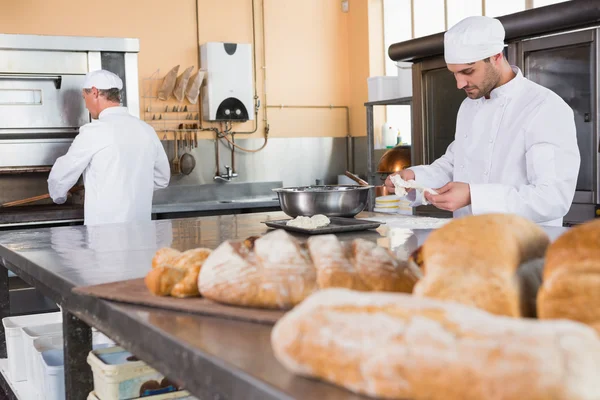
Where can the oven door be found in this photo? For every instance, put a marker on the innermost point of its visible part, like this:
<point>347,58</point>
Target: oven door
<point>566,64</point>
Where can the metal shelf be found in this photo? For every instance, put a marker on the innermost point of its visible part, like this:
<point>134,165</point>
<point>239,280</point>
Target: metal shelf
<point>401,101</point>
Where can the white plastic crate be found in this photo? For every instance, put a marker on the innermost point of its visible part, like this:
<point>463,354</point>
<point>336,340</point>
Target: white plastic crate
<point>116,378</point>
<point>13,328</point>
<point>383,88</point>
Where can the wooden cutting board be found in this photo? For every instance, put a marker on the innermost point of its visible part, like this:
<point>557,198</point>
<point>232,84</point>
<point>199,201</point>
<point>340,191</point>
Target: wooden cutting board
<point>134,291</point>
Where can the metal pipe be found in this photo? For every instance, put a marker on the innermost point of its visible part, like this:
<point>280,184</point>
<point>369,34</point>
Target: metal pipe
<point>254,69</point>
<point>233,153</point>
<point>542,20</point>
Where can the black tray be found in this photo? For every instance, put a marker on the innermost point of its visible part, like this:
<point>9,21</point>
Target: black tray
<point>336,225</point>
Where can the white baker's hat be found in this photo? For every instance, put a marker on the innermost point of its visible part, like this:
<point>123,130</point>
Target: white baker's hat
<point>102,80</point>
<point>473,39</point>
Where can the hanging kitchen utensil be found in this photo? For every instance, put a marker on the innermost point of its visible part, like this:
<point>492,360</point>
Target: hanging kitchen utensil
<point>168,84</point>
<point>181,83</point>
<point>176,156</point>
<point>187,163</point>
<point>193,89</point>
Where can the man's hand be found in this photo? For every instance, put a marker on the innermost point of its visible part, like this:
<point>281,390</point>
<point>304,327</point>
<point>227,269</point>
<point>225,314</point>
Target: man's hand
<point>405,174</point>
<point>451,197</point>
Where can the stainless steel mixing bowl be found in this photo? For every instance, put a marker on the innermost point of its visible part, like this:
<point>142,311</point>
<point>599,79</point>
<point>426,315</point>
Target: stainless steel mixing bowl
<point>332,201</point>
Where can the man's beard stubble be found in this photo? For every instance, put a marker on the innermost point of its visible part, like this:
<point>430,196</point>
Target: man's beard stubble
<point>490,82</point>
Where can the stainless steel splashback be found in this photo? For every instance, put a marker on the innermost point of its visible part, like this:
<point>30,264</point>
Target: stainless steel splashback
<point>294,161</point>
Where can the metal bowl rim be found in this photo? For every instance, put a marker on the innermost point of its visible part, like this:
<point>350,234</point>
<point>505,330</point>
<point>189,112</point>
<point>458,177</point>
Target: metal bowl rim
<point>324,189</point>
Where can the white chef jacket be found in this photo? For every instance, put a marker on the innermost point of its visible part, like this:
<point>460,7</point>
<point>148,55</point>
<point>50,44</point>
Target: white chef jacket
<point>122,161</point>
<point>517,150</point>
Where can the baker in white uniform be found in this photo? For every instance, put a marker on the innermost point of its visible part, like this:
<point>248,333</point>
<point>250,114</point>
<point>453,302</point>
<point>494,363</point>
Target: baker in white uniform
<point>515,146</point>
<point>121,158</point>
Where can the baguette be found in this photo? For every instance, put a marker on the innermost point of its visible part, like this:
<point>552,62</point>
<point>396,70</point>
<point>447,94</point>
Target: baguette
<point>397,346</point>
<point>571,278</point>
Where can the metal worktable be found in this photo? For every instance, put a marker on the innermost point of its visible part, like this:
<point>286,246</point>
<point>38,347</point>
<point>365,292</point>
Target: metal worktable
<point>214,358</point>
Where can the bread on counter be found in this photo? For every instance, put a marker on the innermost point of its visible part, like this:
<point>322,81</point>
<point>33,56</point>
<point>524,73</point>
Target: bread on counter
<point>474,260</point>
<point>278,271</point>
<point>176,274</point>
<point>273,271</point>
<point>163,256</point>
<point>571,278</point>
<point>359,265</point>
<point>398,346</point>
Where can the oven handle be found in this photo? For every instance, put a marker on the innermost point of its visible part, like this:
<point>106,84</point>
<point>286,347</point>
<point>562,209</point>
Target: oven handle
<point>57,79</point>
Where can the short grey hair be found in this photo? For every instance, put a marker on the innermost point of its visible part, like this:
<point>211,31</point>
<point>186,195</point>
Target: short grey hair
<point>113,94</point>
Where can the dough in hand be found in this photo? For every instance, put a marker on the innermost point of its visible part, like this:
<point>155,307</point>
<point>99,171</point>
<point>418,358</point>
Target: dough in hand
<point>402,187</point>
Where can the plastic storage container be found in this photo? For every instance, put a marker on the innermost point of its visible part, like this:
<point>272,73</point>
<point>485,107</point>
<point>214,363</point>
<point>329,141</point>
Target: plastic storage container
<point>181,395</point>
<point>13,328</point>
<point>53,362</point>
<point>48,376</point>
<point>119,375</point>
<point>41,345</point>
<point>31,333</point>
<point>404,79</point>
<point>383,88</point>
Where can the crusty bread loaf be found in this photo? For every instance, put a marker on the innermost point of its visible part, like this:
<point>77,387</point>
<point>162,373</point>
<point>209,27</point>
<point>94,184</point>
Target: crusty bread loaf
<point>571,278</point>
<point>358,265</point>
<point>397,346</point>
<point>474,260</point>
<point>166,255</point>
<point>273,271</point>
<point>176,274</point>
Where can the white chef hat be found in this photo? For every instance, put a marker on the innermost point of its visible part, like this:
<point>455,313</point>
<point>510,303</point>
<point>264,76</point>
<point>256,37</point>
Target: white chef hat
<point>102,80</point>
<point>473,39</point>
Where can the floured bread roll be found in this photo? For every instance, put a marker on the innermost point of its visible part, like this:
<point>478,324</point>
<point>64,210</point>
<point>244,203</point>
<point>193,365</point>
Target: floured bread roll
<point>397,346</point>
<point>474,260</point>
<point>176,274</point>
<point>571,278</point>
<point>314,222</point>
<point>359,265</point>
<point>273,271</point>
<point>166,255</point>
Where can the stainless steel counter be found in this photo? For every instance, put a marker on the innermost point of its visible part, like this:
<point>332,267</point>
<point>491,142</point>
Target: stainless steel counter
<point>215,358</point>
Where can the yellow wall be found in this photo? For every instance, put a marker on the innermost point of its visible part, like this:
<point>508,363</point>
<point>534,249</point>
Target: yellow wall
<point>316,54</point>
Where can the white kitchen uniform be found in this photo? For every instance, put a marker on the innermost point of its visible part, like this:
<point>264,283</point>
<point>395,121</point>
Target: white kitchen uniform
<point>122,161</point>
<point>517,150</point>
